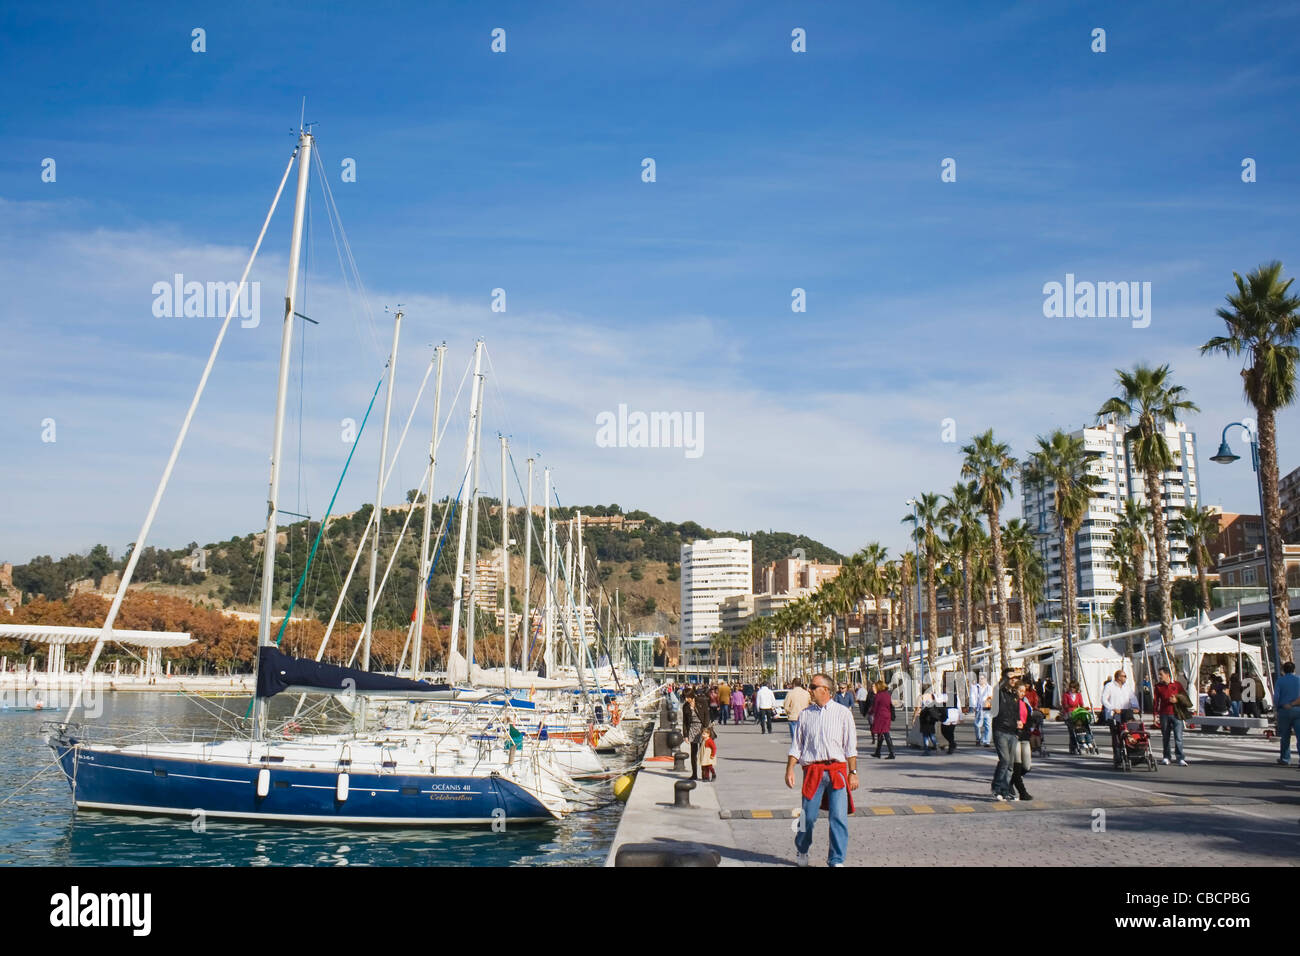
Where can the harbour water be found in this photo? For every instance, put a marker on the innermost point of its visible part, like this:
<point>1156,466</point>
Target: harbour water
<point>40,827</point>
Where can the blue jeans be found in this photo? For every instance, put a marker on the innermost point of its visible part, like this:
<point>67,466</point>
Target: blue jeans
<point>1234,708</point>
<point>1005,743</point>
<point>792,725</point>
<point>1288,720</point>
<point>839,817</point>
<point>983,727</point>
<point>765,720</point>
<point>1171,724</point>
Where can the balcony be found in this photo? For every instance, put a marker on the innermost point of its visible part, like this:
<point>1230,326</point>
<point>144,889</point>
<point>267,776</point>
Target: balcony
<point>1224,597</point>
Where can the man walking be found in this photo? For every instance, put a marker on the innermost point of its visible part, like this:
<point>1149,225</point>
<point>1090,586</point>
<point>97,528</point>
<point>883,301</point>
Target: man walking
<point>861,697</point>
<point>981,705</point>
<point>765,704</point>
<point>795,702</point>
<point>1287,698</point>
<point>1166,697</point>
<point>826,747</point>
<point>1005,714</point>
<point>1119,701</point>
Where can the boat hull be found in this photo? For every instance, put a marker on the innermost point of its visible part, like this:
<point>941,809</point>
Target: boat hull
<point>132,783</point>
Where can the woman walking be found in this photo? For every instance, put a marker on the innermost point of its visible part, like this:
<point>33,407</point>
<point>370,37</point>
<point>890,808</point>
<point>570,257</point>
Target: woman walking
<point>882,718</point>
<point>1023,753</point>
<point>738,705</point>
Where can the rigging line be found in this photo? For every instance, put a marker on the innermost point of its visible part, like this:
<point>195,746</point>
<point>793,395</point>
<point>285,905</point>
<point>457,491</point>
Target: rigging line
<point>319,534</point>
<point>347,246</point>
<point>143,536</point>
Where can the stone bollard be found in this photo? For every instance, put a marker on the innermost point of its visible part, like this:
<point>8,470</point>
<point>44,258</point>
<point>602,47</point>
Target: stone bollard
<point>682,794</point>
<point>679,761</point>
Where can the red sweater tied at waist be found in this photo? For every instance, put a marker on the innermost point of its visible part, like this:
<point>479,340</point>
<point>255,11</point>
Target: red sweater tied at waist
<point>812,778</point>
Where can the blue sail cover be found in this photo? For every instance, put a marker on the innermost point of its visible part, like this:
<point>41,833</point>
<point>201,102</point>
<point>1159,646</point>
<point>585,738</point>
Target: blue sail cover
<point>277,672</point>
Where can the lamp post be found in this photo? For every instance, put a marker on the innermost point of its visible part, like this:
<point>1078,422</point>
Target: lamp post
<point>1226,457</point>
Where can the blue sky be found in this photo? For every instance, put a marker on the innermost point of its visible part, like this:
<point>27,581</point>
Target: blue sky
<point>522,171</point>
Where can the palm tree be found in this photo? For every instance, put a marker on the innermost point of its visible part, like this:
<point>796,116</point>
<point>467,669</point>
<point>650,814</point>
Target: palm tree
<point>952,579</point>
<point>873,582</point>
<point>1026,571</point>
<point>1149,401</point>
<point>925,522</point>
<point>1121,554</point>
<point>989,462</point>
<point>891,575</point>
<point>907,579</point>
<point>1262,320</point>
<point>981,573</point>
<point>1199,525</point>
<point>1063,463</point>
<point>1132,529</point>
<point>962,514</point>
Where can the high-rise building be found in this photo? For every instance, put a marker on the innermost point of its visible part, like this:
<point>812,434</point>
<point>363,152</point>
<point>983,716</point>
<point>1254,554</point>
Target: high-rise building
<point>712,569</point>
<point>1289,494</point>
<point>1095,568</point>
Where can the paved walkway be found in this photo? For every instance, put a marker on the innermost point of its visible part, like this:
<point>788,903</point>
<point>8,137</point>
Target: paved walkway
<point>1233,805</point>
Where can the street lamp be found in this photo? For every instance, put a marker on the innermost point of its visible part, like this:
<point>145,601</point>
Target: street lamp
<point>1226,457</point>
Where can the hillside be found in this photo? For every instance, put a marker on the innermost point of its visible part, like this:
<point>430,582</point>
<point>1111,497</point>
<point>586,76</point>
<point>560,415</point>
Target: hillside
<point>640,561</point>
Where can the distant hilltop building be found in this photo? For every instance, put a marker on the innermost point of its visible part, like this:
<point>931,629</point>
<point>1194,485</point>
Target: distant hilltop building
<point>713,569</point>
<point>790,575</point>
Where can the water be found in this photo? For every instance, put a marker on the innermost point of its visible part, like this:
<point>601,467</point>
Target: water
<point>40,826</point>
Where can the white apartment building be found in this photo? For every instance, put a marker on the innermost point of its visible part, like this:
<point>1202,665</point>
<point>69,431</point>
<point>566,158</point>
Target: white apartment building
<point>1095,571</point>
<point>712,569</point>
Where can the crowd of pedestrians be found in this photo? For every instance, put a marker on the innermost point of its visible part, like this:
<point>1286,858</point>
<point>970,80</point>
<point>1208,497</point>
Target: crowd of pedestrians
<point>1006,717</point>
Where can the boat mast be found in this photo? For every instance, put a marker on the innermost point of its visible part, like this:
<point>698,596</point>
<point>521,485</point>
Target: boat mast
<point>273,493</point>
<point>528,570</point>
<point>582,591</point>
<point>473,537</point>
<point>379,497</point>
<point>568,583</point>
<point>505,558</point>
<point>417,645</point>
<point>459,591</point>
<point>548,560</point>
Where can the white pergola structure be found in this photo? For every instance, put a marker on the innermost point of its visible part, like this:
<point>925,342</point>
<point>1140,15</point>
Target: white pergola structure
<point>58,637</point>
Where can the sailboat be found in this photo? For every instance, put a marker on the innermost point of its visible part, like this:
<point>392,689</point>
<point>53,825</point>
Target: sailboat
<point>363,778</point>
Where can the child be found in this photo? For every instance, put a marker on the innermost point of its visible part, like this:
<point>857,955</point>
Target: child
<point>709,755</point>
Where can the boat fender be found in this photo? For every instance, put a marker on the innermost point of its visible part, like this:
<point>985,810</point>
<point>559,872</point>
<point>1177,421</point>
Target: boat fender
<point>263,782</point>
<point>623,787</point>
<point>341,788</point>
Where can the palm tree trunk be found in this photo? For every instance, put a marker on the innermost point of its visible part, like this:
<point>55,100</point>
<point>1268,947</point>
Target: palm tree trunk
<point>1068,617</point>
<point>1273,528</point>
<point>999,570</point>
<point>970,609</point>
<point>932,630</point>
<point>1156,499</point>
<point>1205,581</point>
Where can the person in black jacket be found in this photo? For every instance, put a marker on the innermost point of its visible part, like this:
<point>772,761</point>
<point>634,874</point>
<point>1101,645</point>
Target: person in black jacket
<point>1006,730</point>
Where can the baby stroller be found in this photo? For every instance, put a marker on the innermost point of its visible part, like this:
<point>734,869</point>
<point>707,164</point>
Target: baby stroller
<point>1079,724</point>
<point>1036,745</point>
<point>1136,746</point>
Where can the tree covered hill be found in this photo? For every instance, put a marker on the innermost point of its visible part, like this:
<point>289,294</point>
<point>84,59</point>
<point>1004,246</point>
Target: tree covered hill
<point>643,562</point>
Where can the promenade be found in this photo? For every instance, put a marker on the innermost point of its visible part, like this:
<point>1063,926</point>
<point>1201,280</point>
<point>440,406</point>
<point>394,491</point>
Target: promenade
<point>1232,806</point>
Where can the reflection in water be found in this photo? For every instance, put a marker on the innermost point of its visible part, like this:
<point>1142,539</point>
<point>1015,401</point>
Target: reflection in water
<point>40,827</point>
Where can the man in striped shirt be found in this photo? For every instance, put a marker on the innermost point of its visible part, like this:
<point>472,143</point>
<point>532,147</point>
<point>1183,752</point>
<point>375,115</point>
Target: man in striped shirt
<point>826,747</point>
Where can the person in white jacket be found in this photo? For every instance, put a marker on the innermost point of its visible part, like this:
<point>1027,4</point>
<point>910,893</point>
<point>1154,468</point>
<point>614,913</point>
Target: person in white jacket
<point>981,703</point>
<point>1119,701</point>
